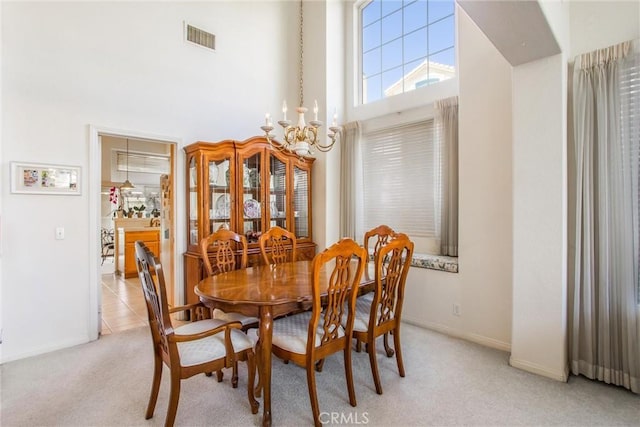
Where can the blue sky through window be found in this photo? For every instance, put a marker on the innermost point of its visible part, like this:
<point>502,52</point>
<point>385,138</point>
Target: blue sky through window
<point>405,45</point>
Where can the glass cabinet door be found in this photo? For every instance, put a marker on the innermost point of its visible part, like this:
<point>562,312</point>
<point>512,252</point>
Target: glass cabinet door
<point>277,193</point>
<point>193,202</point>
<point>252,197</point>
<point>218,173</point>
<point>301,201</point>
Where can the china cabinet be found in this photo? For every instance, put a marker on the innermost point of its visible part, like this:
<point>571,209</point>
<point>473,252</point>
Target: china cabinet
<point>247,187</point>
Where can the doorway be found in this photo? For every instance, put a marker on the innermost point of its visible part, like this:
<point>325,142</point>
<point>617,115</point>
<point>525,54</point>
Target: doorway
<point>149,163</point>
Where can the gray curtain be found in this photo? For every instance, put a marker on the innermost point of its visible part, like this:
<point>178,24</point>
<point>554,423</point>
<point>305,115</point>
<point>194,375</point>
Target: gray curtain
<point>350,181</point>
<point>447,142</point>
<point>603,321</point>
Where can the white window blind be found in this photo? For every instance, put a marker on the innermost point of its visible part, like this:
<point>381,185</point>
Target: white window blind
<point>143,163</point>
<point>629,74</point>
<point>400,179</point>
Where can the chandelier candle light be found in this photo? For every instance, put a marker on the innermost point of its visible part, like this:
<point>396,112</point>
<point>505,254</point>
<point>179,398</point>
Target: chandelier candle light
<point>301,139</point>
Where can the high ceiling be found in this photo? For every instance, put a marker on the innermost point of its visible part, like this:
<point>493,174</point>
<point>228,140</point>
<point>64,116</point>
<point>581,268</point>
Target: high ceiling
<point>518,29</point>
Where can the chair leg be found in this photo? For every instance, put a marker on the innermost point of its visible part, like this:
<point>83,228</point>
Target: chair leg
<point>396,344</point>
<point>234,376</point>
<point>319,365</point>
<point>349,374</point>
<point>251,379</point>
<point>387,349</point>
<point>313,397</point>
<point>174,395</point>
<point>155,386</point>
<point>219,375</point>
<point>258,389</point>
<point>371,349</point>
<point>358,345</point>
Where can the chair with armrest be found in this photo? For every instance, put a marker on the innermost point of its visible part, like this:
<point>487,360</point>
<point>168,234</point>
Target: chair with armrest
<point>309,337</point>
<point>383,314</point>
<point>202,346</point>
<point>226,243</point>
<point>282,244</point>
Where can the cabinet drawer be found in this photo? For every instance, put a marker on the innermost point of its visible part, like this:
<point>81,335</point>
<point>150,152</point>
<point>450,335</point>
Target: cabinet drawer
<point>145,236</point>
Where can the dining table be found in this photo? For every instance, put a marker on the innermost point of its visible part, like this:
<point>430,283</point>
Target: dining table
<point>268,292</point>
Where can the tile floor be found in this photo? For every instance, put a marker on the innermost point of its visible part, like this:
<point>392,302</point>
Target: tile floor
<point>123,305</point>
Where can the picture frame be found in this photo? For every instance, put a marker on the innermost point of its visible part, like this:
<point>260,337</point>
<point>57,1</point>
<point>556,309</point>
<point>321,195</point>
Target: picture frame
<point>42,178</point>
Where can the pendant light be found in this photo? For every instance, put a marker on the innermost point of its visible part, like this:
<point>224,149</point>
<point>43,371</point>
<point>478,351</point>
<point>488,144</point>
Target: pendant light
<point>127,185</point>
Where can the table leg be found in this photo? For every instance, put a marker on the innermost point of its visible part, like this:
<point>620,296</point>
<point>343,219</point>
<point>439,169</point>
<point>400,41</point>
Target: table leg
<point>264,347</point>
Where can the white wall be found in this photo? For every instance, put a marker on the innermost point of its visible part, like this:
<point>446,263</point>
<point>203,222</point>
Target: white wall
<point>483,285</point>
<point>116,65</point>
<point>539,216</point>
<point>599,24</point>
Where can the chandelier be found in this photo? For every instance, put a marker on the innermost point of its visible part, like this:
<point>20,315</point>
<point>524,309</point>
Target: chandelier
<point>302,138</point>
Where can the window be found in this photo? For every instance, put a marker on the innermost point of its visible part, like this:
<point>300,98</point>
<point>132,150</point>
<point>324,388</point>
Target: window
<point>143,163</point>
<point>405,45</point>
<point>629,74</point>
<point>400,179</point>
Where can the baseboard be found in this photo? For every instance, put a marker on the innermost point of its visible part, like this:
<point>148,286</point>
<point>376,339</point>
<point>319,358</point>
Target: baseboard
<point>493,343</point>
<point>43,350</point>
<point>540,370</point>
<point>478,339</point>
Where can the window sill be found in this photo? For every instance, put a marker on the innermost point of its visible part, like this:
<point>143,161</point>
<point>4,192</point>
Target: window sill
<point>435,262</point>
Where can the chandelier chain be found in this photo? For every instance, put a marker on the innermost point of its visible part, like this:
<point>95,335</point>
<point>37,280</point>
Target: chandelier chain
<point>302,138</point>
<point>301,56</point>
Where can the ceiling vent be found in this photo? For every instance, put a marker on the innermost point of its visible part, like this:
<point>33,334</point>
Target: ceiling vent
<point>200,37</point>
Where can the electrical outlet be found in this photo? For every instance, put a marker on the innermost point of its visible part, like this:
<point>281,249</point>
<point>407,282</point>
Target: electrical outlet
<point>456,309</point>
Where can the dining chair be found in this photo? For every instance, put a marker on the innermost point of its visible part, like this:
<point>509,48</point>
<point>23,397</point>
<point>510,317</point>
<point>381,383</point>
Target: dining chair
<point>383,314</point>
<point>108,246</point>
<point>282,245</point>
<point>311,336</point>
<point>202,346</point>
<point>226,243</point>
<point>381,234</point>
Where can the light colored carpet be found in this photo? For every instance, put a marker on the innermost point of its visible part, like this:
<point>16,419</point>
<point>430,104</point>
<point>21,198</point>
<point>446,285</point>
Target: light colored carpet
<point>449,382</point>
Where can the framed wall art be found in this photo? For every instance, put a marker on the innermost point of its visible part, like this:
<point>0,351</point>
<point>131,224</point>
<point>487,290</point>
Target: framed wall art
<point>40,178</point>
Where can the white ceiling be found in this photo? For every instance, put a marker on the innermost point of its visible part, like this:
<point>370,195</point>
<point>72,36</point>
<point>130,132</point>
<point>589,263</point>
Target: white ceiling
<point>517,28</point>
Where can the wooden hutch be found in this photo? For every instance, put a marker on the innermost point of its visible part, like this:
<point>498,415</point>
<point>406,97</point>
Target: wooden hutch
<point>247,186</point>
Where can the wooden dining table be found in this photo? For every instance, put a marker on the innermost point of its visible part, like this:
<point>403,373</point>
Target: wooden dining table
<point>267,292</point>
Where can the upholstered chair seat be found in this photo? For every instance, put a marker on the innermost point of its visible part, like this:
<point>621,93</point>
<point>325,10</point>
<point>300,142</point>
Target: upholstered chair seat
<point>210,348</point>
<point>234,317</point>
<point>291,333</point>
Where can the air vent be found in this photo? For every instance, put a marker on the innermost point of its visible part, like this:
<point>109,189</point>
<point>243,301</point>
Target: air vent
<point>200,37</point>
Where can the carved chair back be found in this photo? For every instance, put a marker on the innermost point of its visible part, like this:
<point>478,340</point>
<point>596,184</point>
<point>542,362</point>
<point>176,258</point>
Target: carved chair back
<point>282,245</point>
<point>226,243</point>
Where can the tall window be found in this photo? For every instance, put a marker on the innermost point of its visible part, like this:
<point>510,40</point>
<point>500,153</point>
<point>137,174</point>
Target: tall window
<point>400,179</point>
<point>405,45</point>
<point>630,133</point>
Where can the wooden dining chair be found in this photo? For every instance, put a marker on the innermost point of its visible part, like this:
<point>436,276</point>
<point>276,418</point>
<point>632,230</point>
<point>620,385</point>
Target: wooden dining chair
<point>383,314</point>
<point>282,245</point>
<point>107,244</point>
<point>226,243</point>
<point>311,336</point>
<point>201,346</point>
<point>379,236</point>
